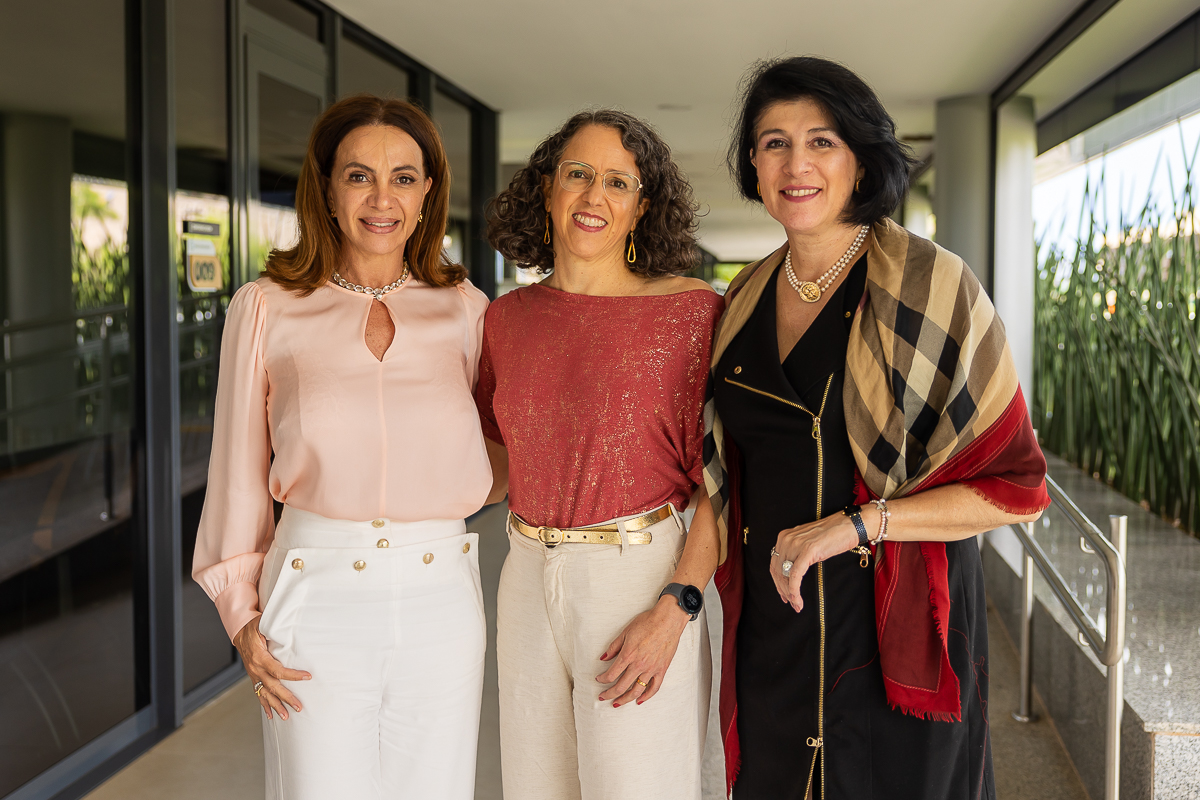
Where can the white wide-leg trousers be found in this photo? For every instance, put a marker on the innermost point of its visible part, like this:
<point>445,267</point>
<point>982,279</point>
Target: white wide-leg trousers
<point>388,618</point>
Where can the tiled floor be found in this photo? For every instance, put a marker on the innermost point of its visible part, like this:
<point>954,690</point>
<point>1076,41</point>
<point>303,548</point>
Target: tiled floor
<point>218,751</point>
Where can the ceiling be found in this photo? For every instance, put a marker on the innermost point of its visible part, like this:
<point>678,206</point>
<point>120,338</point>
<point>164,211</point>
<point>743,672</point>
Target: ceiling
<point>677,63</point>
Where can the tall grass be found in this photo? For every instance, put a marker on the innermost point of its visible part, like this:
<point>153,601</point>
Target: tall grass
<point>1116,360</point>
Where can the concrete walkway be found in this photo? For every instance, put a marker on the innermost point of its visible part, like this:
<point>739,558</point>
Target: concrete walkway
<point>218,751</point>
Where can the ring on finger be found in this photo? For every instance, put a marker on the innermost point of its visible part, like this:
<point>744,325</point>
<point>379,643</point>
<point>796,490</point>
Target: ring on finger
<point>642,683</point>
<point>775,552</point>
<point>786,568</point>
<point>258,687</point>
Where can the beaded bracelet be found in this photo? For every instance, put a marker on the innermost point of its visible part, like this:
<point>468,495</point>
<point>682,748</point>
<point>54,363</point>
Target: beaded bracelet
<point>883,520</point>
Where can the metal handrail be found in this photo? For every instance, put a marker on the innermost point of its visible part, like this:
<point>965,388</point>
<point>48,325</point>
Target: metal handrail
<point>60,319</point>
<point>1109,646</point>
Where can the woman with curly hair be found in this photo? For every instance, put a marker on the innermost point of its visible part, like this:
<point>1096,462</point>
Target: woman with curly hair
<point>593,383</point>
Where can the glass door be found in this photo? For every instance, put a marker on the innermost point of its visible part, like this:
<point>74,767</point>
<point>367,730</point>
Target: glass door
<point>284,88</point>
<point>284,97</point>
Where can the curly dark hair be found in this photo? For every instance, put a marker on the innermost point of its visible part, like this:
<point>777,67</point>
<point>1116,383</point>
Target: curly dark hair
<point>666,233</point>
<point>860,119</point>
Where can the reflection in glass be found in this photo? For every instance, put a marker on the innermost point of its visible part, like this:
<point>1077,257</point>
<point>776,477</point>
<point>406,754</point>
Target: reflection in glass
<point>360,70</point>
<point>202,255</point>
<point>454,123</point>
<point>67,632</point>
<point>292,14</point>
<point>285,117</point>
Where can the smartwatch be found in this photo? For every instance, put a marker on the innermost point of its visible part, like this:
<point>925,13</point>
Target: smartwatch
<point>690,599</point>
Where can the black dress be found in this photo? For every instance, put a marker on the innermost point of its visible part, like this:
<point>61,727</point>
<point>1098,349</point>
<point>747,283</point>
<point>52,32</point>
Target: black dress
<point>790,699</point>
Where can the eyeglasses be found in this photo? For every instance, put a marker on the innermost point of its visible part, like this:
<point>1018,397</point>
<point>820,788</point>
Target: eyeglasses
<point>575,176</point>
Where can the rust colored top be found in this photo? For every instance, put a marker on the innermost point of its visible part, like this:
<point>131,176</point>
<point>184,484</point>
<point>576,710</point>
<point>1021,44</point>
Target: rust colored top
<point>599,400</point>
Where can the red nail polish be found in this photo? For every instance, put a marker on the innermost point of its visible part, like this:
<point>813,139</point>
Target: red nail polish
<point>639,702</point>
<point>601,698</point>
<point>616,705</point>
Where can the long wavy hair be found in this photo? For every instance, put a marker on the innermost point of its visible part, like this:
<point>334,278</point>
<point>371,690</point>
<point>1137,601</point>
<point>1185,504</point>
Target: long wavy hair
<point>666,233</point>
<point>307,266</point>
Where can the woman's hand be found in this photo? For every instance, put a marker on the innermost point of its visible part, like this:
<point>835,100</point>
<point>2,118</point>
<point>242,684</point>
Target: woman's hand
<point>642,653</point>
<point>807,545</point>
<point>262,666</point>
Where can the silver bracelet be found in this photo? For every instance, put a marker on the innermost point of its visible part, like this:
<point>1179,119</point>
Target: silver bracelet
<point>881,504</point>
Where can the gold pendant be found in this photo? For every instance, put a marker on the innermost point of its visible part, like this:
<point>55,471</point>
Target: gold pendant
<point>810,292</point>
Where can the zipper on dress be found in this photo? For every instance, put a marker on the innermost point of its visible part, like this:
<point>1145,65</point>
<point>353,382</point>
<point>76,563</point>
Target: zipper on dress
<point>817,743</point>
<point>820,744</point>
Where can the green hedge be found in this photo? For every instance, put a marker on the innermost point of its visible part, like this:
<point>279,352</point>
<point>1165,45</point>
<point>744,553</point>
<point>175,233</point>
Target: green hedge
<point>1116,366</point>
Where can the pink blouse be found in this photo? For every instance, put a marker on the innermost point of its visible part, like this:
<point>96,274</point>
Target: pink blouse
<point>353,437</point>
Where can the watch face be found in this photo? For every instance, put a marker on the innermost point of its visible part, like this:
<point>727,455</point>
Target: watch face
<point>692,599</point>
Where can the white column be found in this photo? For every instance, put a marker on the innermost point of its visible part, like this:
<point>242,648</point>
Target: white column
<point>962,183</point>
<point>1015,260</point>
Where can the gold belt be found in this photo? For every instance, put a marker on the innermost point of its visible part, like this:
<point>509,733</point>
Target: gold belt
<point>596,534</point>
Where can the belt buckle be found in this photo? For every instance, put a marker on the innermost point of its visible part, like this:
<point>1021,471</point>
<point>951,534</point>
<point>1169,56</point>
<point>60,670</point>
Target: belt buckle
<point>549,536</point>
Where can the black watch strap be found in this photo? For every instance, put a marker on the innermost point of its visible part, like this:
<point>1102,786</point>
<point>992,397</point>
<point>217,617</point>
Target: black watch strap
<point>690,599</point>
<point>853,512</point>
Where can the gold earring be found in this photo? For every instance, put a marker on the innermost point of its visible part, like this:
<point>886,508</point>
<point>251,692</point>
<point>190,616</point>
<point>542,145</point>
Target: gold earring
<point>546,238</point>
<point>856,183</point>
<point>631,251</point>
<point>758,188</point>
<point>420,216</point>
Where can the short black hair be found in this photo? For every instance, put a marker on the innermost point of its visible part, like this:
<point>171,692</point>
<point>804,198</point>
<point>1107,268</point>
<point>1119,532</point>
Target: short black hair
<point>860,119</point>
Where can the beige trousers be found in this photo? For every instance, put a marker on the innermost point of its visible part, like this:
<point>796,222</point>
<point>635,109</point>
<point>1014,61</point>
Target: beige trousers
<point>558,609</point>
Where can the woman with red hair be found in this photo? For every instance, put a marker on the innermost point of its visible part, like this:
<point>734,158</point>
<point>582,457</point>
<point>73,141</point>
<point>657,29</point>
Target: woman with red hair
<point>345,393</point>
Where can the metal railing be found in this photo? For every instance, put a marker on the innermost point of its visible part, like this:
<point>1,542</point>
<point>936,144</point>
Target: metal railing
<point>1109,645</point>
<point>99,337</point>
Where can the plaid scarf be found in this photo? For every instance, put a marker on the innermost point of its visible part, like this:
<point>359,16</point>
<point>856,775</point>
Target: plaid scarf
<point>931,397</point>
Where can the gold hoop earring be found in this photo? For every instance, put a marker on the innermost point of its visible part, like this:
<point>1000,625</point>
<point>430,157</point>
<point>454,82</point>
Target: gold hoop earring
<point>856,184</point>
<point>758,188</point>
<point>546,238</point>
<point>631,251</point>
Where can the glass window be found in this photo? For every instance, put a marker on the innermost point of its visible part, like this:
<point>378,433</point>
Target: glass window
<point>360,70</point>
<point>454,122</point>
<point>285,117</point>
<point>294,15</point>
<point>67,567</point>
<point>202,259</point>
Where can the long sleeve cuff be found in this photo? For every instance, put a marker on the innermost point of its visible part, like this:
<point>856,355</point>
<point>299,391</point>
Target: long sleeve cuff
<point>237,605</point>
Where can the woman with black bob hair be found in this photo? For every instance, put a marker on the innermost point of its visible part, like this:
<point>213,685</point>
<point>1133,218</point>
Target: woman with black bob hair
<point>591,392</point>
<point>865,424</point>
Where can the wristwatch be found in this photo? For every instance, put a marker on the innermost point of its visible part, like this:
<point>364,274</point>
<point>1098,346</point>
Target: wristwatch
<point>853,512</point>
<point>691,599</point>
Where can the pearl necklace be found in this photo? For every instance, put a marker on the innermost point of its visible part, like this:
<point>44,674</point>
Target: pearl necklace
<point>378,293</point>
<point>811,291</point>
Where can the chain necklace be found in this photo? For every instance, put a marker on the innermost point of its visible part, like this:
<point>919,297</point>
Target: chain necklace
<point>811,291</point>
<point>378,293</point>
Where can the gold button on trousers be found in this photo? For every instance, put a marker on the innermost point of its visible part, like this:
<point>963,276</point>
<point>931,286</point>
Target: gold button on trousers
<point>393,634</point>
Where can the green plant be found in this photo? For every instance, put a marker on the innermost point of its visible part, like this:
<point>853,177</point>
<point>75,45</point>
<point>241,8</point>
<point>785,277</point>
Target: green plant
<point>99,275</point>
<point>1116,360</point>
